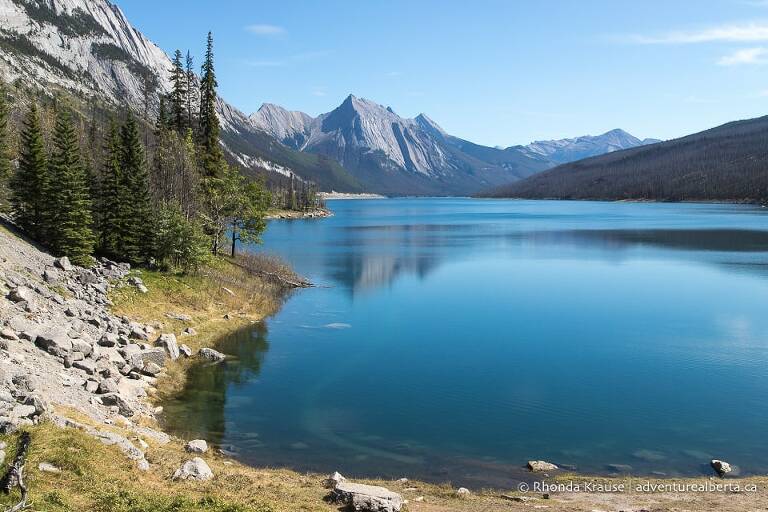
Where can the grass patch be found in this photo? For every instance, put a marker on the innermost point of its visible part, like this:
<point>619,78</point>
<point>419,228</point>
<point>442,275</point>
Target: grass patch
<point>224,288</point>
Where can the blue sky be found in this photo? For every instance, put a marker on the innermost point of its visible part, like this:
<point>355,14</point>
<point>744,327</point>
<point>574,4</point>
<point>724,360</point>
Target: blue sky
<point>494,72</point>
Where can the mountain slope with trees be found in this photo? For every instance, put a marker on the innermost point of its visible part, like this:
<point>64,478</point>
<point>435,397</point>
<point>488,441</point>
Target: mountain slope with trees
<point>726,163</point>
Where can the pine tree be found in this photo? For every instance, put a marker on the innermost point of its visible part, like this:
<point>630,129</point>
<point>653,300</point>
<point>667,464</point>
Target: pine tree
<point>30,185</point>
<point>111,203</point>
<point>178,94</point>
<point>191,92</point>
<point>212,155</point>
<point>5,159</point>
<point>69,232</point>
<point>136,231</point>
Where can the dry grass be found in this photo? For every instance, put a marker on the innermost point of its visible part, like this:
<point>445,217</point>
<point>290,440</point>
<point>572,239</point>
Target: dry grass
<point>220,298</point>
<point>99,478</point>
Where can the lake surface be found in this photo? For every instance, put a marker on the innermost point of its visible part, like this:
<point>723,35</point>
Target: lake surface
<point>455,339</point>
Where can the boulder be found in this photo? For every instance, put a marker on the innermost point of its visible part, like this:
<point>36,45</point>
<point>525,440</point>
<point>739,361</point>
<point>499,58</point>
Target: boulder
<point>63,263</point>
<point>107,386</point>
<point>179,316</point>
<point>463,492</point>
<point>21,294</point>
<point>540,465</point>
<point>189,331</point>
<point>185,350</point>
<point>196,446</point>
<point>115,399</point>
<point>153,355</point>
<point>47,467</point>
<point>80,345</point>
<point>333,480</point>
<point>85,365</point>
<point>54,343</point>
<point>8,334</point>
<point>91,386</point>
<point>109,339</point>
<point>195,469</point>
<point>367,498</point>
<point>152,369</point>
<point>721,467</point>
<point>211,355</point>
<point>168,342</point>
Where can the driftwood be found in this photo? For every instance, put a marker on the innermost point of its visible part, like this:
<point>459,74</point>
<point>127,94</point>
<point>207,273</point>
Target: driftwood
<point>282,280</point>
<point>14,477</point>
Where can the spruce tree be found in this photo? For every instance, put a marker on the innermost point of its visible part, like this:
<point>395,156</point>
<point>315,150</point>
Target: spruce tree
<point>178,95</point>
<point>191,92</point>
<point>111,204</point>
<point>5,159</point>
<point>212,156</point>
<point>30,185</point>
<point>136,228</point>
<point>69,232</point>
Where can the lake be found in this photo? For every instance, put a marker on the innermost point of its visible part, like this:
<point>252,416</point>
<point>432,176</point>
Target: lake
<point>455,339</point>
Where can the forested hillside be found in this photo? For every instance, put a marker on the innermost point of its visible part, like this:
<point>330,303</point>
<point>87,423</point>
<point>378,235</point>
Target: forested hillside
<point>727,163</point>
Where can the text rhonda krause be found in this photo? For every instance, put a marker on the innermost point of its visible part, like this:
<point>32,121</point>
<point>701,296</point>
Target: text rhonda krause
<point>639,486</point>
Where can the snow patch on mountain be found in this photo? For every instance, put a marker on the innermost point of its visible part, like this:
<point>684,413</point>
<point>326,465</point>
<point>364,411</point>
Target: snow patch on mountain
<point>569,150</point>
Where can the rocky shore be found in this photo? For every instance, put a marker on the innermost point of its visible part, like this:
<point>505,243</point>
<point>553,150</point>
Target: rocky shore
<point>61,348</point>
<point>319,213</point>
<point>67,360</point>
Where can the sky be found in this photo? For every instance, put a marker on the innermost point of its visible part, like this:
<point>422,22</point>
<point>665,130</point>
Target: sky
<point>497,73</point>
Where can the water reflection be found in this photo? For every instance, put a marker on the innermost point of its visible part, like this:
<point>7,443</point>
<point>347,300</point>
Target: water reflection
<point>198,409</point>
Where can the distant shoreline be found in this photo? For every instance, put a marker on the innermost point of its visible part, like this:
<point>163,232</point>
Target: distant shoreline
<point>334,196</point>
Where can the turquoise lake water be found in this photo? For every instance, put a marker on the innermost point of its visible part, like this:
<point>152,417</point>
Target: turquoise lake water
<point>455,339</point>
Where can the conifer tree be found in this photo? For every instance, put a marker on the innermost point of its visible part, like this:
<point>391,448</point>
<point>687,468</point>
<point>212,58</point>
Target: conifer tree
<point>212,156</point>
<point>178,94</point>
<point>30,185</point>
<point>136,229</point>
<point>5,159</point>
<point>69,233</point>
<point>191,92</point>
<point>111,204</point>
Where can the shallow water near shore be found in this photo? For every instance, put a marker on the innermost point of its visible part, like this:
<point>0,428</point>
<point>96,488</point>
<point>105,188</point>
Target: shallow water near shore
<point>454,339</point>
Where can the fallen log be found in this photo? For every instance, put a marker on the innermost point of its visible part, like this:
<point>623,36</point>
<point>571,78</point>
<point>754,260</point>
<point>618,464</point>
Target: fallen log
<point>14,477</point>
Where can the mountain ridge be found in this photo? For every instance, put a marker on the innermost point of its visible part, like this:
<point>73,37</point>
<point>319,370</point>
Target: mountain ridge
<point>371,140</point>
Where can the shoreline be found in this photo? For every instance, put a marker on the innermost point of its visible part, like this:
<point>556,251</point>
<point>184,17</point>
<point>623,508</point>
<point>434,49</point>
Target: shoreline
<point>318,213</point>
<point>112,445</point>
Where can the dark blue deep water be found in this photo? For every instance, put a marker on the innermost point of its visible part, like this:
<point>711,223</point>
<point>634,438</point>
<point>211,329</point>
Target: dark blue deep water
<point>454,339</point>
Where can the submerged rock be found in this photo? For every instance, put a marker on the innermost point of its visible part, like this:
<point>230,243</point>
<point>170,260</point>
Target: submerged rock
<point>721,467</point>
<point>367,498</point>
<point>211,355</point>
<point>540,465</point>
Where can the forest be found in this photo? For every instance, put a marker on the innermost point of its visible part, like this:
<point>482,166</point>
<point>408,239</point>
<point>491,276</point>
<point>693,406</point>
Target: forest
<point>83,179</point>
<point>726,163</point>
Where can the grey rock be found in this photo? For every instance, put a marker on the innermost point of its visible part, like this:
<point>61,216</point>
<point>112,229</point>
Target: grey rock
<point>189,331</point>
<point>540,465</point>
<point>195,469</point>
<point>367,498</point>
<point>24,383</point>
<point>169,343</point>
<point>85,365</point>
<point>179,316</point>
<point>115,399</point>
<point>185,350</point>
<point>152,369</point>
<point>23,411</point>
<point>63,263</point>
<point>54,343</point>
<point>196,446</point>
<point>333,480</point>
<point>22,294</point>
<point>109,339</point>
<point>91,386</point>
<point>106,386</point>
<point>154,355</point>
<point>8,334</point>
<point>463,492</point>
<point>48,468</point>
<point>211,355</point>
<point>721,467</point>
<point>80,345</point>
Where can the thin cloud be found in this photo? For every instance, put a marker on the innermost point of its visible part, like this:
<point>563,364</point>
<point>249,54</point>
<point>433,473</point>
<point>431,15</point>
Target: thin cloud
<point>738,33</point>
<point>265,30</point>
<point>745,56</point>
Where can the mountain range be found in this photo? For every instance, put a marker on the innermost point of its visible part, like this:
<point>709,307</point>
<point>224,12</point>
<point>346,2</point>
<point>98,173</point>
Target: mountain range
<point>725,163</point>
<point>394,155</point>
<point>90,49</point>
